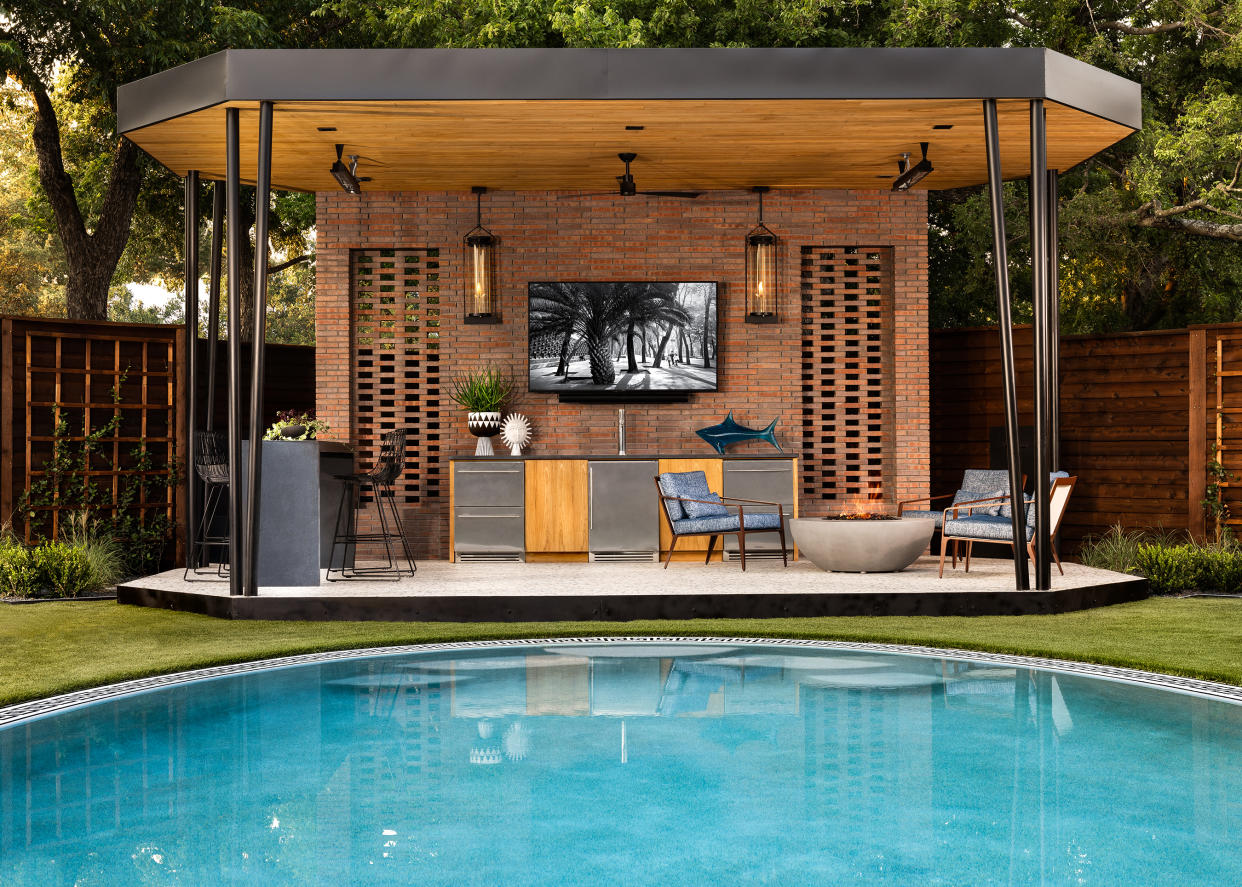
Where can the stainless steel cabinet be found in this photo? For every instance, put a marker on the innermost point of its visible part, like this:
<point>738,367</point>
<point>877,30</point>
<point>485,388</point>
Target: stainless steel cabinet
<point>623,518</point>
<point>770,480</point>
<point>489,514</point>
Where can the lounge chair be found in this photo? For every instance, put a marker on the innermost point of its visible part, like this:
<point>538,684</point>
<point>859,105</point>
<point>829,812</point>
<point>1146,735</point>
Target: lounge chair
<point>692,509</point>
<point>989,520</point>
<point>977,483</point>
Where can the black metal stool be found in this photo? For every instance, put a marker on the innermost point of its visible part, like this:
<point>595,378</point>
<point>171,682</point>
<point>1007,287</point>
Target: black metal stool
<point>345,533</point>
<point>211,464</point>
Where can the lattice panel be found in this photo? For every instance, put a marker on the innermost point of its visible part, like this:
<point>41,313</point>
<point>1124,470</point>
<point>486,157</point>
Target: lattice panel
<point>847,297</point>
<point>396,300</point>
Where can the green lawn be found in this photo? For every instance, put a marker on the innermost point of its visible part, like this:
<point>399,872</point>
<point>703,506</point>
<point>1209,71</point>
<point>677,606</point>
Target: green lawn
<point>56,647</point>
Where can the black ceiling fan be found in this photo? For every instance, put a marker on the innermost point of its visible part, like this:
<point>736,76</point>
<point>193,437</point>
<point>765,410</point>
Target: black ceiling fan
<point>628,188</point>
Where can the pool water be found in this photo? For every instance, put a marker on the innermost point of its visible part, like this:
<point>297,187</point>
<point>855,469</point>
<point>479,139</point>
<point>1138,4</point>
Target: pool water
<point>602,764</point>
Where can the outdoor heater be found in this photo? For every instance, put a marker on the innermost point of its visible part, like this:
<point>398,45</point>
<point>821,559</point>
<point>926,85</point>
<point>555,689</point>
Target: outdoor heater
<point>479,246</point>
<point>761,270</point>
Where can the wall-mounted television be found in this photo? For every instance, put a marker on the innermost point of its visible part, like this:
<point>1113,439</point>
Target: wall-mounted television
<point>622,339</point>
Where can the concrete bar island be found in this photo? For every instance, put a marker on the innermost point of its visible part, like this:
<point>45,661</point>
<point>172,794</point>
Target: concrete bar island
<point>298,502</point>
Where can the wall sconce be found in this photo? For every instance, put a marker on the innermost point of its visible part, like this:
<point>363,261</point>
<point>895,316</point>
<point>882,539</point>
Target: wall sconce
<point>479,265</point>
<point>761,267</point>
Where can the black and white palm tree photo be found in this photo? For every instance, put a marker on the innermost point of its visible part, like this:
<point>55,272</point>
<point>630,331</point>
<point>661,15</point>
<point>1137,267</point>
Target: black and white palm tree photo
<point>622,336</point>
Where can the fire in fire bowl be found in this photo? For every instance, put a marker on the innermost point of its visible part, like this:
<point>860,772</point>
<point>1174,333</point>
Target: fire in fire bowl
<point>867,543</point>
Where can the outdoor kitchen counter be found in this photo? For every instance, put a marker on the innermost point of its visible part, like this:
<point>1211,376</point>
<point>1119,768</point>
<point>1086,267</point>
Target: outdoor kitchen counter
<point>298,505</point>
<point>631,457</point>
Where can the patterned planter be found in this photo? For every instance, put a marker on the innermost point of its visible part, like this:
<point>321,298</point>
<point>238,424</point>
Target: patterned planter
<point>483,426</point>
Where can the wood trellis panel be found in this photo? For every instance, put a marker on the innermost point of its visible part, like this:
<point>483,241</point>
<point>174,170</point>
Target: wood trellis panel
<point>847,403</point>
<point>396,374</point>
<point>70,369</point>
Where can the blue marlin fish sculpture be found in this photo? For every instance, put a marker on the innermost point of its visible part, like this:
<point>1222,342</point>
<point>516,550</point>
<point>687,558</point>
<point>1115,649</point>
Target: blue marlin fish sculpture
<point>729,432</point>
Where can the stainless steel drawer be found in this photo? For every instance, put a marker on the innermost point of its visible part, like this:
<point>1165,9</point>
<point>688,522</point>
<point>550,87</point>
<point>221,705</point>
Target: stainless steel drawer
<point>770,480</point>
<point>489,483</point>
<point>489,529</point>
<point>623,506</point>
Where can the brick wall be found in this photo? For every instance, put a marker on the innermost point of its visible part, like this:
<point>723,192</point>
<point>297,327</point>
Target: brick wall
<point>543,237</point>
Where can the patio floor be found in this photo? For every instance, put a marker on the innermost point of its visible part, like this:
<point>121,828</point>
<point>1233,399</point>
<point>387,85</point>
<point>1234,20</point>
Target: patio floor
<point>513,592</point>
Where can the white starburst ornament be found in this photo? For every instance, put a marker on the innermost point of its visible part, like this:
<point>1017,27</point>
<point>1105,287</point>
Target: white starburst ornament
<point>515,432</point>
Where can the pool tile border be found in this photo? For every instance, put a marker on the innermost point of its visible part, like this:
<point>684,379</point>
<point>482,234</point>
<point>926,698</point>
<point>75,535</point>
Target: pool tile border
<point>39,708</point>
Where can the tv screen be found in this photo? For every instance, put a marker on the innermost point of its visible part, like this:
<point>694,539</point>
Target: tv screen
<point>622,337</point>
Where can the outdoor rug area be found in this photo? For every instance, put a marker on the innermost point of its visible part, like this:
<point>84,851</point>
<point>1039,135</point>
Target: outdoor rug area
<point>443,591</point>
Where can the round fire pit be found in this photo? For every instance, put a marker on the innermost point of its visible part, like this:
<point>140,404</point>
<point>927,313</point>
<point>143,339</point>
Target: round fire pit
<point>849,545</point>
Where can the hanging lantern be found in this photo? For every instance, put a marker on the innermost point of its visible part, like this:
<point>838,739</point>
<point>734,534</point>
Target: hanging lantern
<point>761,264</point>
<point>480,268</point>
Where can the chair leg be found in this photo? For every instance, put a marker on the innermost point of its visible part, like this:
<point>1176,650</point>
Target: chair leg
<point>339,538</point>
<point>741,548</point>
<point>711,544</point>
<point>969,546</point>
<point>944,546</point>
<point>1057,559</point>
<point>400,527</point>
<point>784,552</point>
<point>672,543</point>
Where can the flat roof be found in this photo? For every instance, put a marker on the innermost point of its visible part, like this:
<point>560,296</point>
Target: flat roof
<point>555,119</point>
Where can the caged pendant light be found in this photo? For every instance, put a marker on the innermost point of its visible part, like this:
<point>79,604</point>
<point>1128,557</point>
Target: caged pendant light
<point>761,267</point>
<point>479,247</point>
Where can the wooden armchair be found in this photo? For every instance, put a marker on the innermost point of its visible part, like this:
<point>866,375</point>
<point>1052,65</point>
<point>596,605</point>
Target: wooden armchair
<point>692,509</point>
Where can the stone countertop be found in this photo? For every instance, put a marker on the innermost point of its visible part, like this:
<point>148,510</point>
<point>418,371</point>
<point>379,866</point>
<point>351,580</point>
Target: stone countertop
<point>632,457</point>
<point>325,446</point>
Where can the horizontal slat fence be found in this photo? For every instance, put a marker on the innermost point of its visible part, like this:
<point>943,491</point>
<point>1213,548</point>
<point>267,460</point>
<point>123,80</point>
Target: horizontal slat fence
<point>1137,420</point>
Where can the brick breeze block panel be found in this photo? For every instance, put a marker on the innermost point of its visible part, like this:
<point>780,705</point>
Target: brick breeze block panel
<point>569,236</point>
<point>847,363</point>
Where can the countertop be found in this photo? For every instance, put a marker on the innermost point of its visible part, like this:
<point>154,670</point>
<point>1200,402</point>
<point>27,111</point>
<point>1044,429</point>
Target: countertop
<point>632,457</point>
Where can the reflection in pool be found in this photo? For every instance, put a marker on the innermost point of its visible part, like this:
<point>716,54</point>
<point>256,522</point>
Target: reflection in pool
<point>625,764</point>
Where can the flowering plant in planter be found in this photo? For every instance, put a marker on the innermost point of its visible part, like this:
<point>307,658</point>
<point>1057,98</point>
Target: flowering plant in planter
<point>482,391</point>
<point>294,425</point>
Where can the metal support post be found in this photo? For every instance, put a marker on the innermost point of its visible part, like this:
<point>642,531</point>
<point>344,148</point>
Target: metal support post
<point>262,194</point>
<point>1054,303</point>
<point>1042,341</point>
<point>213,300</point>
<point>191,359</point>
<point>232,183</point>
<point>1000,257</point>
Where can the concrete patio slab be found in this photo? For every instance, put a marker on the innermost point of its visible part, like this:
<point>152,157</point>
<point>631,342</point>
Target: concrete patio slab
<point>510,592</point>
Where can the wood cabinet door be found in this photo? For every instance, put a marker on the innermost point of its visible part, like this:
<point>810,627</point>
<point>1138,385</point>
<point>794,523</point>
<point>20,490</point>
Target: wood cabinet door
<point>556,505</point>
<point>712,468</point>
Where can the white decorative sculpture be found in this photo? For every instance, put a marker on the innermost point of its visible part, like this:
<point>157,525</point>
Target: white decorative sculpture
<point>515,431</point>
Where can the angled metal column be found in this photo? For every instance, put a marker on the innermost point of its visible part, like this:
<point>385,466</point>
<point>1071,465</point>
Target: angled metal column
<point>1043,340</point>
<point>213,300</point>
<point>232,183</point>
<point>191,358</point>
<point>1054,303</point>
<point>1004,317</point>
<point>262,194</point>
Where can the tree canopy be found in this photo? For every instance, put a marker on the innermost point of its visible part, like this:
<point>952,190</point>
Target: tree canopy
<point>1150,228</point>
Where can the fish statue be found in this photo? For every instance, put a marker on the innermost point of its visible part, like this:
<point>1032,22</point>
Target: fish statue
<point>729,432</point>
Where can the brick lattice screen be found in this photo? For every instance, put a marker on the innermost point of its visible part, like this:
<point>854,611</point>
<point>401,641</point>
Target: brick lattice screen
<point>847,297</point>
<point>396,373</point>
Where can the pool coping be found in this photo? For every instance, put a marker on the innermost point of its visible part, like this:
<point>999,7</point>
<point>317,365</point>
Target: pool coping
<point>13,715</point>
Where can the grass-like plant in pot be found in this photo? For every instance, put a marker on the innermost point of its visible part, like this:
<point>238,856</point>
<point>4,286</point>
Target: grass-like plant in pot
<point>482,391</point>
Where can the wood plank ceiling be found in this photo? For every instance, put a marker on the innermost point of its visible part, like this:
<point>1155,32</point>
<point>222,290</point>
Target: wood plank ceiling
<point>572,145</point>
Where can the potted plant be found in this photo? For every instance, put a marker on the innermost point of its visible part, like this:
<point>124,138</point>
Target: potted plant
<point>295,425</point>
<point>482,391</point>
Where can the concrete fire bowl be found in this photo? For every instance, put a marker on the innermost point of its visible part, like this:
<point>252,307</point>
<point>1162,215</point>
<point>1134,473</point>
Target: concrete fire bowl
<point>862,546</point>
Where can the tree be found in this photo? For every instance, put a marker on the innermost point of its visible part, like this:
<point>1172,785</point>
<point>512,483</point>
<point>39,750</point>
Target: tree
<point>80,53</point>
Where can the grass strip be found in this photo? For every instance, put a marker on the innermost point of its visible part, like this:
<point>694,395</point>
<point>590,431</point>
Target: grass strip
<point>52,648</point>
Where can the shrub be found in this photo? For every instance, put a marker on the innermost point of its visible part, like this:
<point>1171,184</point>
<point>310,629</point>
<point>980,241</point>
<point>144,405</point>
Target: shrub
<point>1171,568</point>
<point>1116,550</point>
<point>104,553</point>
<point>18,576</point>
<point>62,570</point>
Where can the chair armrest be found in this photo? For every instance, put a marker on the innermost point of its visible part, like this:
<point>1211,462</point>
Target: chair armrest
<point>751,501</point>
<point>970,504</point>
<point>925,499</point>
<point>708,501</point>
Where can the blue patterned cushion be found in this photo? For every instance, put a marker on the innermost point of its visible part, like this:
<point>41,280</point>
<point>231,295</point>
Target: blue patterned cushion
<point>691,485</point>
<point>985,526</point>
<point>938,516</point>
<point>759,520</point>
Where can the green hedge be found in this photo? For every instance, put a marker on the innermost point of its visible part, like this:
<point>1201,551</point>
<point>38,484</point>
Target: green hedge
<point>1172,569</point>
<point>53,569</point>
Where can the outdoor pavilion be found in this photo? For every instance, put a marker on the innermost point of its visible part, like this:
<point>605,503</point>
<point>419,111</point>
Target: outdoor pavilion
<point>545,119</point>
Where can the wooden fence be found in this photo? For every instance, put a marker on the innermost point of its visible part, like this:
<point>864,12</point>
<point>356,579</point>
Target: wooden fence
<point>66,369</point>
<point>1137,421</point>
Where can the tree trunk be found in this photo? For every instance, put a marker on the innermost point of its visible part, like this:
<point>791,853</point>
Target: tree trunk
<point>659,355</point>
<point>600,354</point>
<point>632,364</point>
<point>562,367</point>
<point>92,258</point>
<point>707,314</point>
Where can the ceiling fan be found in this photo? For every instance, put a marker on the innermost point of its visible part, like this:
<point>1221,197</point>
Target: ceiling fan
<point>628,188</point>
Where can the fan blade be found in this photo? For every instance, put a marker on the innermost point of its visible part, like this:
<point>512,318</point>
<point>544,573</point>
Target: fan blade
<point>687,195</point>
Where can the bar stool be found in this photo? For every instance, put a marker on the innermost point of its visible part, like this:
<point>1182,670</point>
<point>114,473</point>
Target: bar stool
<point>345,533</point>
<point>211,464</point>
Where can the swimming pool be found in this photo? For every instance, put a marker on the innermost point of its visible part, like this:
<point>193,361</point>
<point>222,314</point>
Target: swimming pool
<point>659,762</point>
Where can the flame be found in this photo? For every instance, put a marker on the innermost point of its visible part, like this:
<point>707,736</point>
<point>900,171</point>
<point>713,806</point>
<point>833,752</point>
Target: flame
<point>865,504</point>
